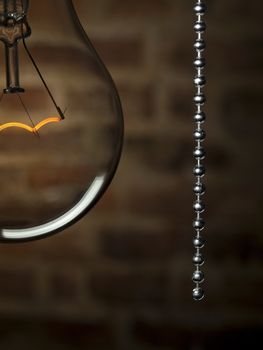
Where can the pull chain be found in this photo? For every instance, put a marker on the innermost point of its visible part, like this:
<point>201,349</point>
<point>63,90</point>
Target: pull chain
<point>199,153</point>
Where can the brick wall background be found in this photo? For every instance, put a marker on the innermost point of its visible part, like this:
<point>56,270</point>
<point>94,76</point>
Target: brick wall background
<point>121,277</point>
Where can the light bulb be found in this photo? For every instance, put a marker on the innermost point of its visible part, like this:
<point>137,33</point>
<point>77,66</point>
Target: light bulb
<point>61,123</point>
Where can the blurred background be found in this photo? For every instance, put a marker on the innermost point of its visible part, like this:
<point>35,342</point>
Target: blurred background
<point>121,277</point>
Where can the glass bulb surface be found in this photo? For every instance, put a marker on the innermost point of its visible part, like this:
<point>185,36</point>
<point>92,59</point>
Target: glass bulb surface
<point>61,122</point>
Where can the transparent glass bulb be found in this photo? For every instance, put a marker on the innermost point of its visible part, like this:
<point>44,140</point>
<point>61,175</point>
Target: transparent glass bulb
<point>61,123</point>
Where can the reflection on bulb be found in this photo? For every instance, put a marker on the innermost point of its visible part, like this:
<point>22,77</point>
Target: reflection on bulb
<point>52,70</point>
<point>62,221</point>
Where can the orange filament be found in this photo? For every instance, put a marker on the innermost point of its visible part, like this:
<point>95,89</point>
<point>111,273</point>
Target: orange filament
<point>29,128</point>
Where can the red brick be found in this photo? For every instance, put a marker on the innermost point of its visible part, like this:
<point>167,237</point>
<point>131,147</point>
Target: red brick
<point>178,102</point>
<point>108,202</point>
<point>234,56</point>
<point>158,201</point>
<point>128,287</point>
<point>123,52</point>
<point>161,152</point>
<point>236,106</point>
<point>97,101</point>
<point>134,245</point>
<point>142,9</point>
<point>95,335</point>
<point>138,101</point>
<point>63,286</point>
<point>162,335</point>
<point>53,176</point>
<point>35,98</point>
<point>56,56</point>
<point>56,334</point>
<point>17,284</point>
<point>175,51</point>
<point>22,145</point>
<point>237,10</point>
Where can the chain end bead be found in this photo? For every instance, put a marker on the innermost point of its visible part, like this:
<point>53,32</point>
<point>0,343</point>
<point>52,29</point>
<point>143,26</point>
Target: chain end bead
<point>198,294</point>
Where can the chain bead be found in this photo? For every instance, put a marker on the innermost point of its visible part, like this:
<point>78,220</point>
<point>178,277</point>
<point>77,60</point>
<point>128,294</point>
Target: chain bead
<point>199,99</point>
<point>198,259</point>
<point>199,170</point>
<point>200,26</point>
<point>198,242</point>
<point>198,293</point>
<point>200,117</point>
<point>199,135</point>
<point>200,80</point>
<point>199,152</point>
<point>200,8</point>
<point>199,189</point>
<point>199,224</point>
<point>199,45</point>
<point>198,276</point>
<point>199,206</point>
<point>199,62</point>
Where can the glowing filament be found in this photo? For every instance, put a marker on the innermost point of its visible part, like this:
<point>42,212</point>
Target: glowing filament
<point>29,128</point>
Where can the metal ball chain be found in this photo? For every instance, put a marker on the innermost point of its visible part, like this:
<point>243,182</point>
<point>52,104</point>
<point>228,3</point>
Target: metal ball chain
<point>199,153</point>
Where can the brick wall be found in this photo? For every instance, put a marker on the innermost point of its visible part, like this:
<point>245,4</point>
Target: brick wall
<point>121,277</point>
